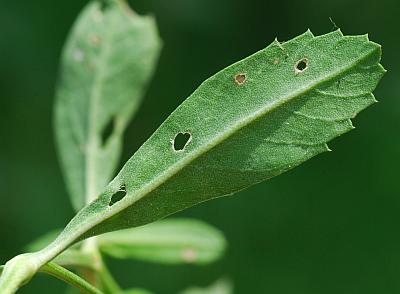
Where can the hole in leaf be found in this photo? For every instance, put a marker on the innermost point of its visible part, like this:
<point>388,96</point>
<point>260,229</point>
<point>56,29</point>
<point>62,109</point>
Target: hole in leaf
<point>118,196</point>
<point>107,131</point>
<point>240,78</point>
<point>181,140</point>
<point>301,65</point>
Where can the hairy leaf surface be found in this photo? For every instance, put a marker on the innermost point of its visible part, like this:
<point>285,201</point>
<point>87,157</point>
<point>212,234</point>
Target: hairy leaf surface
<point>251,121</point>
<point>107,62</point>
<point>171,241</point>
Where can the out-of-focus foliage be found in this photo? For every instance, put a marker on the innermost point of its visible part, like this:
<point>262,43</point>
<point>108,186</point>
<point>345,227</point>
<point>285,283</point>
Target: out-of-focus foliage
<point>219,287</point>
<point>170,241</point>
<point>106,65</point>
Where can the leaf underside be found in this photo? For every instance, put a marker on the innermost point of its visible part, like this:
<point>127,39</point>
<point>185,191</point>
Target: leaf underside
<point>251,121</point>
<point>108,60</point>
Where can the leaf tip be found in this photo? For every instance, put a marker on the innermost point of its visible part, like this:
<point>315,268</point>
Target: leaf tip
<point>339,31</point>
<point>309,32</point>
<point>327,149</point>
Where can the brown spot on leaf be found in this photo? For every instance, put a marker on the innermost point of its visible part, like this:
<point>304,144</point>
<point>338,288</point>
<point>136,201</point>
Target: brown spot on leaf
<point>240,78</point>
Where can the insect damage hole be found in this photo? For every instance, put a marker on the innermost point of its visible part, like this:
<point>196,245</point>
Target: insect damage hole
<point>118,196</point>
<point>181,140</point>
<point>301,65</point>
<point>240,78</point>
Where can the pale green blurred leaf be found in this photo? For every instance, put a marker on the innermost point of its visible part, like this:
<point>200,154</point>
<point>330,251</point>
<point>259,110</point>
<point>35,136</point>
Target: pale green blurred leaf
<point>166,241</point>
<point>219,287</point>
<point>107,62</point>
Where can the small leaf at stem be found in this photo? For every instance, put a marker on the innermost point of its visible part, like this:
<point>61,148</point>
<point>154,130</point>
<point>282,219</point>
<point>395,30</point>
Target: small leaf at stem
<point>168,241</point>
<point>219,287</point>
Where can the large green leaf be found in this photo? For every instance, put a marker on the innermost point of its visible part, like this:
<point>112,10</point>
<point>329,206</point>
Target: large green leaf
<point>252,121</point>
<point>166,241</point>
<point>107,62</point>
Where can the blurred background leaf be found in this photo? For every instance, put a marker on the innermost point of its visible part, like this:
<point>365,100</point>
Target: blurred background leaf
<point>111,52</point>
<point>288,235</point>
<point>219,287</point>
<point>170,241</point>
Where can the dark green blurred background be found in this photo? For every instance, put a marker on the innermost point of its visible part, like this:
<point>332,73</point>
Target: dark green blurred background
<point>329,226</point>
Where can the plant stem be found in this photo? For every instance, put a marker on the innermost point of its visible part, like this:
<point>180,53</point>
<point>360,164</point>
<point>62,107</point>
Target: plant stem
<point>107,280</point>
<point>69,277</point>
<point>99,275</point>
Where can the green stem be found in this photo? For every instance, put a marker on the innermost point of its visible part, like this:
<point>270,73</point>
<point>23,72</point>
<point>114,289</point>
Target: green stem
<point>69,277</point>
<point>107,280</point>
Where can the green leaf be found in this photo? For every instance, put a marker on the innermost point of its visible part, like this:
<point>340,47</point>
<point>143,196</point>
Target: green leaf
<point>168,241</point>
<point>254,120</point>
<point>107,62</point>
<point>219,287</point>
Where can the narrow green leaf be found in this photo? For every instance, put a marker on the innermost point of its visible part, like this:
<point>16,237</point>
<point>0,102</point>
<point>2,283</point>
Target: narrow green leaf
<point>167,241</point>
<point>108,60</point>
<point>252,121</point>
<point>219,287</point>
